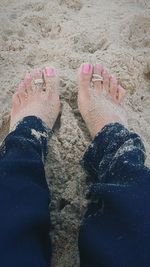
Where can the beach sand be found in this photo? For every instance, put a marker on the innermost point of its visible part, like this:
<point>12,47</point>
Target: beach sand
<point>63,34</point>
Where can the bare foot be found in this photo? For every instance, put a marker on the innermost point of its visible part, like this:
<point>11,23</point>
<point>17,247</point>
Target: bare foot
<point>34,98</point>
<point>100,103</point>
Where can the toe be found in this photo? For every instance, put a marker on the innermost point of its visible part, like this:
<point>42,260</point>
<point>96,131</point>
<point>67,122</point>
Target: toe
<point>16,100</point>
<point>48,74</point>
<point>120,94</point>
<point>37,73</point>
<point>113,87</point>
<point>97,84</point>
<point>22,92</point>
<point>105,76</point>
<point>28,83</point>
<point>85,76</point>
<point>51,80</point>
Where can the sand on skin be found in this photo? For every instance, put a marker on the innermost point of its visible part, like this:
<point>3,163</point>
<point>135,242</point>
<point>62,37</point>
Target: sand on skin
<point>63,34</point>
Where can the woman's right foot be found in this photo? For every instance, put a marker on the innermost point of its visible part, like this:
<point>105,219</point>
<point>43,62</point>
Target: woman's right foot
<point>37,95</point>
<point>100,102</point>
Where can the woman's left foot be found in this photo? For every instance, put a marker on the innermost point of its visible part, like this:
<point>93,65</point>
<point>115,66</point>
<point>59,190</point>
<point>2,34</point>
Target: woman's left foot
<point>100,98</point>
<point>37,95</point>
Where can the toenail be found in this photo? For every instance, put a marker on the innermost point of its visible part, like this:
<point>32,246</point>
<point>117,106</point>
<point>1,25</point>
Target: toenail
<point>50,72</point>
<point>37,71</point>
<point>22,84</point>
<point>119,88</point>
<point>87,68</point>
<point>28,76</point>
<point>104,72</point>
<point>99,67</point>
<point>112,77</point>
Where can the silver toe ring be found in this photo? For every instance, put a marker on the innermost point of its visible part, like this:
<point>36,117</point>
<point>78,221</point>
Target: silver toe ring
<point>97,78</point>
<point>38,81</point>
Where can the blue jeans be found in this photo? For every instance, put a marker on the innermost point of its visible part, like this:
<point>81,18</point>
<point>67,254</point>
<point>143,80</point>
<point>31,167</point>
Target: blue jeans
<point>115,231</point>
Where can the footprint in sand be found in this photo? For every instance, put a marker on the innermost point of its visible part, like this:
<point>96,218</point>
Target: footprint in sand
<point>147,69</point>
<point>73,4</point>
<point>38,7</point>
<point>43,26</point>
<point>137,33</point>
<point>85,44</point>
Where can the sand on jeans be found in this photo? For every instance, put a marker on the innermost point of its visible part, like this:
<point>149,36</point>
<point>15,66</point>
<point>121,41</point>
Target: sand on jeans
<point>63,34</point>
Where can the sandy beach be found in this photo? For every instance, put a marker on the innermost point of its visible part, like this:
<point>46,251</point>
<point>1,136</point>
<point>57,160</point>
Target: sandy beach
<point>63,34</point>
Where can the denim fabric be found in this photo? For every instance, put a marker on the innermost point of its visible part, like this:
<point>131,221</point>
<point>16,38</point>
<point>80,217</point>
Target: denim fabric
<point>24,197</point>
<point>116,229</point>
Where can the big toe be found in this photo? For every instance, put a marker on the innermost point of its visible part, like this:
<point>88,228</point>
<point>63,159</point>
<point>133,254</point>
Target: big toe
<point>85,77</point>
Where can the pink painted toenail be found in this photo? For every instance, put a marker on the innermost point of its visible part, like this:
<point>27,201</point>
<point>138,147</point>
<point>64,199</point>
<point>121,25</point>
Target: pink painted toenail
<point>50,72</point>
<point>112,77</point>
<point>37,71</point>
<point>86,68</point>
<point>104,71</point>
<point>99,67</point>
<point>119,87</point>
<point>22,84</point>
<point>28,76</point>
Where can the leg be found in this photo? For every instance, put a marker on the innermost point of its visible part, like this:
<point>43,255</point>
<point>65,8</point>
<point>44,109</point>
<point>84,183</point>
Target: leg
<point>24,194</point>
<point>115,231</point>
